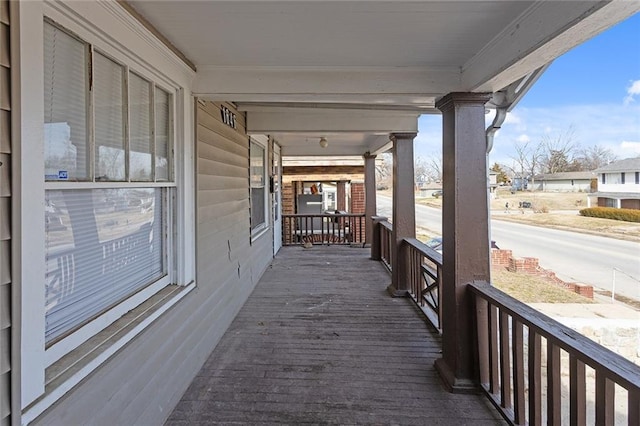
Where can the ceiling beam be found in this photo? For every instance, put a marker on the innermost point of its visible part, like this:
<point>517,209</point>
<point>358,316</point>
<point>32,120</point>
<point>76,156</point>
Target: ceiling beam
<point>312,120</point>
<point>381,85</point>
<point>545,31</point>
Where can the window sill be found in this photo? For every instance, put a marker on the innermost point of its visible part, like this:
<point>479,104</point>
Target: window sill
<point>68,371</point>
<point>259,232</point>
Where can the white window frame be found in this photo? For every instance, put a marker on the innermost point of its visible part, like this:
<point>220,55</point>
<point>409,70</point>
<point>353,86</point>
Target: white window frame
<point>118,35</point>
<point>613,178</point>
<point>263,142</point>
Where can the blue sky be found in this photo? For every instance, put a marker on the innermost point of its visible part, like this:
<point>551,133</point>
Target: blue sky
<point>594,90</point>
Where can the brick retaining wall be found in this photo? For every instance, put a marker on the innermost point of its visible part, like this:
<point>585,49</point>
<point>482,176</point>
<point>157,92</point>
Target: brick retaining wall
<point>530,266</point>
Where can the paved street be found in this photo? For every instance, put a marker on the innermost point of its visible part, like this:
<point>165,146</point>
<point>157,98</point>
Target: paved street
<point>572,256</point>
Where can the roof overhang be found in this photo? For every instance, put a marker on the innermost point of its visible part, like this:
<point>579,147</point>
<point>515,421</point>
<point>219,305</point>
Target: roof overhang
<point>304,69</point>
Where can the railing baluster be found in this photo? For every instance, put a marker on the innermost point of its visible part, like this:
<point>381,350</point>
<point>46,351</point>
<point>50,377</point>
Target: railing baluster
<point>577,392</point>
<point>505,364</point>
<point>605,399</point>
<point>493,350</point>
<point>554,389</point>
<point>482,315</point>
<point>611,369</point>
<point>633,414</point>
<point>303,228</point>
<point>517,348</point>
<point>439,290</point>
<point>535,378</point>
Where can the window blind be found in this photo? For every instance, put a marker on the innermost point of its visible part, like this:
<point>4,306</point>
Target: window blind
<point>65,106</point>
<point>162,133</point>
<point>140,132</point>
<point>109,118</point>
<point>102,245</point>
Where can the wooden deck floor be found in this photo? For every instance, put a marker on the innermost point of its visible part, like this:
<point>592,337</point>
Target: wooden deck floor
<point>319,341</point>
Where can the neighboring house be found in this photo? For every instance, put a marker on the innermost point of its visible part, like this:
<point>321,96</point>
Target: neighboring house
<point>141,173</point>
<point>619,184</point>
<point>339,180</point>
<point>565,182</point>
<point>493,181</point>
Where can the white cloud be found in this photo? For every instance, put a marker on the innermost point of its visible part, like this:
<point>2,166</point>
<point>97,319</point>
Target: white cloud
<point>611,126</point>
<point>632,91</point>
<point>630,148</point>
<point>523,138</point>
<point>512,118</point>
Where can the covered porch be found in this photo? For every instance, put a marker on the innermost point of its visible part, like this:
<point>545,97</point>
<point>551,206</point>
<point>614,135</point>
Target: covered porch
<point>320,341</point>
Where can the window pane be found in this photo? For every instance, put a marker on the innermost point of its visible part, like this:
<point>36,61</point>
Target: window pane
<point>257,207</point>
<point>102,245</point>
<point>163,134</point>
<point>257,174</point>
<point>66,150</point>
<point>109,119</point>
<point>140,137</point>
<point>257,165</point>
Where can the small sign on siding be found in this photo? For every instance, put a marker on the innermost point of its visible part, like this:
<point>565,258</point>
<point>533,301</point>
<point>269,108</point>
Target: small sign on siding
<point>228,117</point>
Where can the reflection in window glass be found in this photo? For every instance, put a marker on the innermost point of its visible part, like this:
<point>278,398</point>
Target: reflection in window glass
<point>163,134</point>
<point>257,167</point>
<point>108,86</point>
<point>66,152</point>
<point>140,136</point>
<point>102,245</point>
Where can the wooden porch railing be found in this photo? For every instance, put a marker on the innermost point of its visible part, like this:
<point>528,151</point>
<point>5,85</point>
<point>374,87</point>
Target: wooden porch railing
<point>424,270</point>
<point>425,278</point>
<point>525,359</point>
<point>386,244</point>
<point>517,369</point>
<point>298,229</point>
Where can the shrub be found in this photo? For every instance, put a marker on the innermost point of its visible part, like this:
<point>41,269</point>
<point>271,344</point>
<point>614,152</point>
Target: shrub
<point>627,215</point>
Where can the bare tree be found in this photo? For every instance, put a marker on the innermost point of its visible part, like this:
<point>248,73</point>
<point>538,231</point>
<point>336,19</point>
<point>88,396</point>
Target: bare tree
<point>527,159</point>
<point>430,167</point>
<point>384,170</point>
<point>594,157</point>
<point>559,151</point>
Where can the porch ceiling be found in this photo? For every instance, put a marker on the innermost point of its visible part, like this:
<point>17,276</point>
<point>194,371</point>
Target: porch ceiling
<point>366,54</point>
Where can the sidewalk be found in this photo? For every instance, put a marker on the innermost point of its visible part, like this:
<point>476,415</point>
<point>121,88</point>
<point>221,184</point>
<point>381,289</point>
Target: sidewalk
<point>613,325</point>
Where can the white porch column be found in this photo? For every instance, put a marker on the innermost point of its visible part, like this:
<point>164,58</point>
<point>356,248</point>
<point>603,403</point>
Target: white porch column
<point>465,230</point>
<point>404,209</point>
<point>369,195</point>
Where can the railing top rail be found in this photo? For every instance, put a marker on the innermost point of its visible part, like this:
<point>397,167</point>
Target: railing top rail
<point>426,251</point>
<point>623,371</point>
<point>324,215</point>
<point>386,225</point>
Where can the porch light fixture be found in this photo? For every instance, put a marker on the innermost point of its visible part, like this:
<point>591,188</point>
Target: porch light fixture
<point>323,142</point>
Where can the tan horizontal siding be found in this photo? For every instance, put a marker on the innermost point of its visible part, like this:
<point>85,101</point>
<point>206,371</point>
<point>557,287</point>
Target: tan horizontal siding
<point>223,212</point>
<point>214,153</point>
<point>4,11</point>
<point>225,138</point>
<point>222,196</point>
<point>5,262</point>
<point>5,355</point>
<point>216,168</point>
<point>5,57</point>
<point>5,88</point>
<point>211,183</point>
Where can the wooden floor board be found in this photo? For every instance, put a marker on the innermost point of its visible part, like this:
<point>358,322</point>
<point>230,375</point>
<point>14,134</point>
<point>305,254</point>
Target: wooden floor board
<point>319,341</point>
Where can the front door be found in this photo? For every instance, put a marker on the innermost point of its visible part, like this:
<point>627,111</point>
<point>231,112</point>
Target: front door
<point>277,199</point>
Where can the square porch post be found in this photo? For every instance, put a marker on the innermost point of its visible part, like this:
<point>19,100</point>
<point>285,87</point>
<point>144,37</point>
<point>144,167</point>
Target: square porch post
<point>341,196</point>
<point>465,228</point>
<point>369,196</point>
<point>404,209</point>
